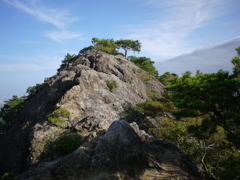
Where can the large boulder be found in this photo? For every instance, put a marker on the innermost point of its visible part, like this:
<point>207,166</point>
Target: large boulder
<point>118,154</point>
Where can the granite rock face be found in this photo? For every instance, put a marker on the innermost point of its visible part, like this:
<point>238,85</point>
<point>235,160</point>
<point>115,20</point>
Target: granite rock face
<point>112,148</point>
<point>118,154</point>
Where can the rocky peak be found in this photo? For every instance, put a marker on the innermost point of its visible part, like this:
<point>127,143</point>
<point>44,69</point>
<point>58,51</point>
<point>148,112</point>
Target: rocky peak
<point>112,148</point>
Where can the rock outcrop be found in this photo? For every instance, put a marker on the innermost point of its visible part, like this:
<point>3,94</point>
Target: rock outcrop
<point>118,154</point>
<point>112,148</point>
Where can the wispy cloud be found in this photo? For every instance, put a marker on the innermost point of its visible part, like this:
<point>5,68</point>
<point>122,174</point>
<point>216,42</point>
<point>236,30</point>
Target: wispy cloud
<point>59,18</point>
<point>29,63</point>
<point>208,59</point>
<point>31,42</point>
<point>23,67</point>
<point>59,36</point>
<point>231,22</point>
<point>169,32</point>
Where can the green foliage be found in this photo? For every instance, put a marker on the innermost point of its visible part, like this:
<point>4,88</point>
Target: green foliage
<point>67,60</point>
<point>213,153</point>
<point>198,73</point>
<point>236,62</point>
<point>9,112</point>
<point>32,90</point>
<point>7,176</point>
<point>62,146</point>
<point>112,85</point>
<point>168,77</point>
<point>145,64</point>
<point>129,45</point>
<point>214,96</point>
<point>58,115</point>
<point>109,46</point>
<point>207,126</point>
<point>154,108</point>
<point>87,49</point>
<point>104,45</point>
<point>146,78</point>
<point>152,94</point>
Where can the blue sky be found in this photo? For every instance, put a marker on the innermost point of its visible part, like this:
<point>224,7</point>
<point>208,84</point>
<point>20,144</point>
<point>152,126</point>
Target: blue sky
<point>178,35</point>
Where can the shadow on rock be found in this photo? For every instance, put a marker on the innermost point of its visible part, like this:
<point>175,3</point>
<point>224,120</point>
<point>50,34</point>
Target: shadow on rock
<point>120,151</point>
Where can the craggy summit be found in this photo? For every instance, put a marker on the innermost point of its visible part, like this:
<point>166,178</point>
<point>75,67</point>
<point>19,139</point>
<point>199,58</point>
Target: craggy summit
<point>74,127</point>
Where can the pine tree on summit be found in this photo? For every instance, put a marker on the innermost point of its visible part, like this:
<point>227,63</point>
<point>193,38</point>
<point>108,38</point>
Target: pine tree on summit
<point>104,45</point>
<point>129,45</point>
<point>109,46</point>
<point>67,60</point>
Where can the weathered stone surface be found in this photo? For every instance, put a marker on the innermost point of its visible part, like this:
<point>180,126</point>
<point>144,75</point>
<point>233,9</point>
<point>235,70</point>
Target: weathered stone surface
<point>141,133</point>
<point>118,152</point>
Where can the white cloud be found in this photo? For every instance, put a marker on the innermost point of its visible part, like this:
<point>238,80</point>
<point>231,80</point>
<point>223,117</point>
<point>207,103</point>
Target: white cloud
<point>167,33</point>
<point>14,67</point>
<point>32,63</point>
<point>31,42</point>
<point>59,36</point>
<point>57,17</point>
<point>60,18</point>
<point>208,59</point>
<point>2,56</point>
<point>230,23</point>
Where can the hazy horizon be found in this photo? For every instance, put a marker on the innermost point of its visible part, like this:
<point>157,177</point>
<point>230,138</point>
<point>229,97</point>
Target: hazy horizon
<point>177,35</point>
